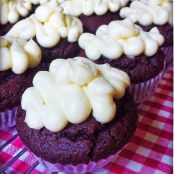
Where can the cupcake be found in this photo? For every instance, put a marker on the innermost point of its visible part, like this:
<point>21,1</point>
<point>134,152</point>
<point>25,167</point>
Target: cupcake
<point>16,57</point>
<point>12,11</point>
<point>77,115</point>
<point>93,13</point>
<point>152,13</point>
<point>50,28</point>
<point>124,45</point>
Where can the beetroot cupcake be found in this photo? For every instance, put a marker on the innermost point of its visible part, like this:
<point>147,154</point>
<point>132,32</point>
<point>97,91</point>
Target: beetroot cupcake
<point>126,46</point>
<point>12,11</point>
<point>152,13</point>
<point>93,13</point>
<point>16,57</point>
<point>50,28</point>
<point>85,118</point>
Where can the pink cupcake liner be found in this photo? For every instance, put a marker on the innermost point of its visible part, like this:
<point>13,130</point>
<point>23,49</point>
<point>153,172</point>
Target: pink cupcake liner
<point>142,91</point>
<point>168,52</point>
<point>76,169</point>
<point>8,118</point>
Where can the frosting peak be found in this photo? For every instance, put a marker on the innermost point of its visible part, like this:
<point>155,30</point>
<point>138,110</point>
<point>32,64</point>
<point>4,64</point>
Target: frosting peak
<point>48,24</point>
<point>18,54</point>
<point>88,7</point>
<point>148,12</point>
<point>76,87</point>
<point>11,10</point>
<point>118,37</point>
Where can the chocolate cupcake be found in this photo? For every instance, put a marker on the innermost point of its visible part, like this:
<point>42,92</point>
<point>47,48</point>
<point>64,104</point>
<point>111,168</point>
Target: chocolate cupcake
<point>126,46</point>
<point>85,118</point>
<point>93,13</point>
<point>63,49</point>
<point>50,27</point>
<point>153,13</point>
<point>12,11</point>
<point>17,55</point>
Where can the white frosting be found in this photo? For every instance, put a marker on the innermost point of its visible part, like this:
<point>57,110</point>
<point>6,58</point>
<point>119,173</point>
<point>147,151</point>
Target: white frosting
<point>120,37</point>
<point>11,10</point>
<point>48,24</point>
<point>88,7</point>
<point>38,1</point>
<point>18,54</point>
<point>70,91</point>
<point>148,12</point>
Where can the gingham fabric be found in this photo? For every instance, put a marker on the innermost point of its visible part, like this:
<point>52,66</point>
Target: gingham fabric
<point>148,152</point>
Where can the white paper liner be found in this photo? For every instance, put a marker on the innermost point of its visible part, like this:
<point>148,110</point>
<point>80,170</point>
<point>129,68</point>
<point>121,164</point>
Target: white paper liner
<point>8,118</point>
<point>76,169</point>
<point>168,52</point>
<point>142,91</point>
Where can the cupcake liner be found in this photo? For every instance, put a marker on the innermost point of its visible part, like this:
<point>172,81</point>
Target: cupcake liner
<point>76,169</point>
<point>142,91</point>
<point>8,118</point>
<point>168,52</point>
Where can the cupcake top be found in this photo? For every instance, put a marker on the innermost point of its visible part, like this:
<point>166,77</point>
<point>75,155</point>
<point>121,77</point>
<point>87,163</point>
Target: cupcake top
<point>48,24</point>
<point>89,7</point>
<point>11,10</point>
<point>118,38</point>
<point>70,90</point>
<point>18,54</point>
<point>147,12</point>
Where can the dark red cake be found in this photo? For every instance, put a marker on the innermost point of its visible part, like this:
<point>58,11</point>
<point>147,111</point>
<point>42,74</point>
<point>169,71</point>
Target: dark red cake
<point>81,143</point>
<point>91,23</point>
<point>5,28</point>
<point>63,49</point>
<point>12,87</point>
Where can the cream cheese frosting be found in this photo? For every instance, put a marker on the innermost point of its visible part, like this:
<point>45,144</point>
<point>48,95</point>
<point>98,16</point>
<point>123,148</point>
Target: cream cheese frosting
<point>148,12</point>
<point>118,38</point>
<point>88,7</point>
<point>38,1</point>
<point>48,24</point>
<point>76,88</point>
<point>18,54</point>
<point>11,10</point>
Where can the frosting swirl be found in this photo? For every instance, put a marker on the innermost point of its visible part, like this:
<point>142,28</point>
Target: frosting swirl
<point>148,12</point>
<point>88,7</point>
<point>76,87</point>
<point>18,54</point>
<point>11,10</point>
<point>121,36</point>
<point>38,1</point>
<point>48,24</point>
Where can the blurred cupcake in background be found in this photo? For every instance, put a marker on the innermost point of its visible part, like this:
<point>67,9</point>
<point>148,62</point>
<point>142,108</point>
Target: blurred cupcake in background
<point>151,13</point>
<point>17,56</point>
<point>55,32</point>
<point>93,13</point>
<point>85,118</point>
<point>11,11</point>
<point>124,45</point>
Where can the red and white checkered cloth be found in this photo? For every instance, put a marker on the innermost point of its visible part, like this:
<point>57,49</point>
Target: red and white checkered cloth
<point>148,152</point>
